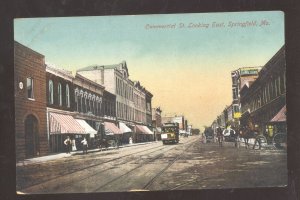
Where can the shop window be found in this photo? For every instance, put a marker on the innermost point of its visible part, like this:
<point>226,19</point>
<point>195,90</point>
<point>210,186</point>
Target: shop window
<point>30,94</point>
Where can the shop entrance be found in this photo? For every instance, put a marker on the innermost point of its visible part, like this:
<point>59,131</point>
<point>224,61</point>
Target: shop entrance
<point>31,136</point>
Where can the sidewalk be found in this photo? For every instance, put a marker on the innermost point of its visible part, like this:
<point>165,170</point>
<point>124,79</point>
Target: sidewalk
<point>43,159</point>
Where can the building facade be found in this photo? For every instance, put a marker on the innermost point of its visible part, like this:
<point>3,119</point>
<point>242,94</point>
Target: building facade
<point>240,77</point>
<point>52,104</point>
<point>74,108</point>
<point>266,97</point>
<point>30,103</point>
<point>130,95</point>
<point>148,107</point>
<point>156,122</point>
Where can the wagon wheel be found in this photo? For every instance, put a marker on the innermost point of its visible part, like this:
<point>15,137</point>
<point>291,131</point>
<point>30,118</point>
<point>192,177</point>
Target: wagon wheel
<point>260,140</point>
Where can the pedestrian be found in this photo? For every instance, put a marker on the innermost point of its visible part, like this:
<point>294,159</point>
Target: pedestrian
<point>130,140</point>
<point>203,138</point>
<point>84,145</point>
<point>68,144</point>
<point>74,145</point>
<point>220,136</point>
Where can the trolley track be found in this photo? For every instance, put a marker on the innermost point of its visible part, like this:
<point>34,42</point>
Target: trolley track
<point>168,166</point>
<point>143,164</point>
<point>90,167</point>
<point>155,149</point>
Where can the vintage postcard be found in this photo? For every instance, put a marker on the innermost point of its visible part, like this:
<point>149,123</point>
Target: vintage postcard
<point>150,102</point>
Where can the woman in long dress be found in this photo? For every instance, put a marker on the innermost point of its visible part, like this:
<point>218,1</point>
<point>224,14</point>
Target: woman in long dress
<point>74,145</point>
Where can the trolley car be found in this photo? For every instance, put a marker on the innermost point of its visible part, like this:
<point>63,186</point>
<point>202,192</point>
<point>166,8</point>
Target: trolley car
<point>170,133</point>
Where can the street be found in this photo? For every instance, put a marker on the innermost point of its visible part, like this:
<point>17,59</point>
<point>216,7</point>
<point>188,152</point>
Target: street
<point>190,164</point>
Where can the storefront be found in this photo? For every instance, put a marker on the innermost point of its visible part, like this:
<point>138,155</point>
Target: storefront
<point>143,134</point>
<point>112,132</point>
<point>60,127</point>
<point>91,133</point>
<point>127,133</point>
<point>277,124</point>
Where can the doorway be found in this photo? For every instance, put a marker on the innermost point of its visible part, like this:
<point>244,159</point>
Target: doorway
<point>31,136</point>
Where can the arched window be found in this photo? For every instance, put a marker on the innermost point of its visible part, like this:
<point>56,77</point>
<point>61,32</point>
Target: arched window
<point>67,96</point>
<point>59,94</point>
<point>50,97</point>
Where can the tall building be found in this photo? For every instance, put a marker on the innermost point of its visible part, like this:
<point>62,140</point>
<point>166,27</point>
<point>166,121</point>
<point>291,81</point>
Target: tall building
<point>133,101</point>
<point>130,95</point>
<point>240,77</point>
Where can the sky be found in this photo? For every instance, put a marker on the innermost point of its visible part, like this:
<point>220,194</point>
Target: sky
<point>184,60</point>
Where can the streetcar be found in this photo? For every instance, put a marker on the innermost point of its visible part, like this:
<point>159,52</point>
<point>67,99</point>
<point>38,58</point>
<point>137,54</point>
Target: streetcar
<point>209,134</point>
<point>170,133</point>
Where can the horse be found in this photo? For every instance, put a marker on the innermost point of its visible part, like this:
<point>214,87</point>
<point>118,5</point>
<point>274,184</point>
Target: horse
<point>247,134</point>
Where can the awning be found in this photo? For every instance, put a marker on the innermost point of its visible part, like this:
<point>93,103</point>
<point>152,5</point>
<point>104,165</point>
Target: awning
<point>64,124</point>
<point>111,128</point>
<point>280,116</point>
<point>143,129</point>
<point>148,130</point>
<point>140,129</point>
<point>124,128</point>
<point>87,127</point>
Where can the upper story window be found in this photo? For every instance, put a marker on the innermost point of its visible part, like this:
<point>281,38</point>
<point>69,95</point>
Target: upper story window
<point>59,94</point>
<point>67,96</point>
<point>30,94</point>
<point>50,92</point>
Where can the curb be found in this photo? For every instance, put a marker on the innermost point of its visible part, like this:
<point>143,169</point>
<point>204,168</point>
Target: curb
<point>44,159</point>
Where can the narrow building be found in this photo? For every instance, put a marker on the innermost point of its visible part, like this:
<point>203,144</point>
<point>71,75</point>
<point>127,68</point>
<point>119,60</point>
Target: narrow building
<point>30,103</point>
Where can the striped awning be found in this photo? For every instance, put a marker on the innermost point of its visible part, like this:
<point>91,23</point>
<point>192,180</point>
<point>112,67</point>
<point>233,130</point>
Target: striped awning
<point>88,129</point>
<point>111,129</point>
<point>280,116</point>
<point>64,124</point>
<point>148,130</point>
<point>143,129</point>
<point>124,128</point>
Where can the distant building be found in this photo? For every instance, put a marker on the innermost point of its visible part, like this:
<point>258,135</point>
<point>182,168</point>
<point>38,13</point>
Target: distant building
<point>176,119</point>
<point>156,122</point>
<point>148,108</point>
<point>240,77</point>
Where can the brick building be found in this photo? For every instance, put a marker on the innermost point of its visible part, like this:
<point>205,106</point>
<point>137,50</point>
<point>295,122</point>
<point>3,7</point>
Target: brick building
<point>266,97</point>
<point>30,103</point>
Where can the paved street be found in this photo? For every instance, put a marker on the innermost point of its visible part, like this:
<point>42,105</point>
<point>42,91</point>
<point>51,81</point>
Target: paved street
<point>187,165</point>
